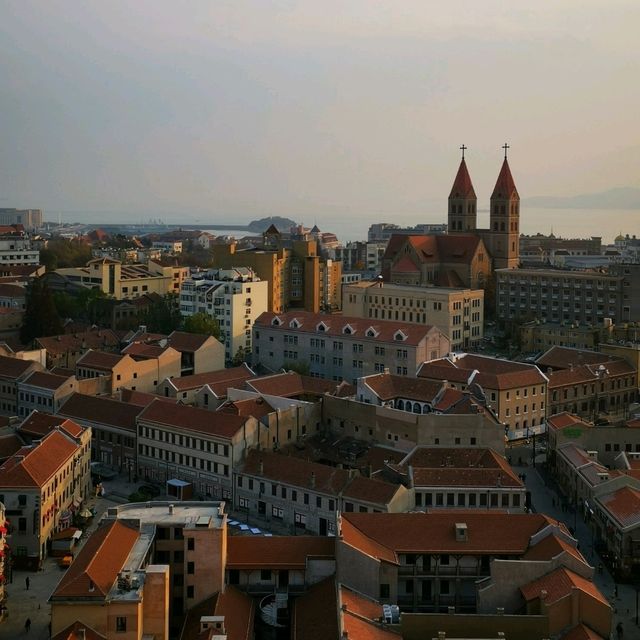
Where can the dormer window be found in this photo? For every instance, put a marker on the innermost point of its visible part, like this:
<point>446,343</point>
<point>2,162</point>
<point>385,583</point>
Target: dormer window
<point>348,330</point>
<point>371,333</point>
<point>276,322</point>
<point>295,324</point>
<point>399,335</point>
<point>321,326</point>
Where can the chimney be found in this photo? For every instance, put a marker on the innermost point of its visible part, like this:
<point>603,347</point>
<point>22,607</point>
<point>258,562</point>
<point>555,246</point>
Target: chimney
<point>313,480</point>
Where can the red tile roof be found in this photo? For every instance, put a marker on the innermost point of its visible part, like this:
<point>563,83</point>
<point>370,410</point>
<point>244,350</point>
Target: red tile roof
<point>14,368</point>
<point>359,604</point>
<point>46,380</point>
<point>488,372</point>
<point>96,568</point>
<point>582,632</point>
<point>36,464</point>
<point>277,552</point>
<point>291,385</point>
<point>223,425</point>
<point>371,490</point>
<point>563,357</point>
<point>385,330</point>
<point>9,445</point>
<point>552,546</point>
<point>38,424</point>
<point>434,249</point>
<point>315,614</point>
<point>434,532</point>
<point>99,360</point>
<point>221,379</point>
<point>12,291</point>
<point>256,407</point>
<point>77,631</point>
<point>187,342</point>
<point>388,386</point>
<point>77,342</point>
<point>462,186</point>
<point>558,584</point>
<point>623,505</point>
<point>142,399</point>
<point>142,350</point>
<point>505,186</point>
<point>563,420</point>
<point>98,410</point>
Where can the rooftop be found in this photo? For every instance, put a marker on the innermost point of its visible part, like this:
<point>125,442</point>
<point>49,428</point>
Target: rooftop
<point>45,380</point>
<point>185,514</point>
<point>217,380</point>
<point>98,410</point>
<point>277,552</point>
<point>558,584</point>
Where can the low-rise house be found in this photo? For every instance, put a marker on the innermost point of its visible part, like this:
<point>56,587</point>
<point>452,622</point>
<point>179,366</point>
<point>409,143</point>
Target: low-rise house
<point>112,589</point>
<point>141,368</point>
<point>65,349</point>
<point>206,390</point>
<point>46,392</point>
<point>12,297</point>
<point>344,348</point>
<point>291,384</point>
<point>197,446</point>
<point>199,353</point>
<point>297,495</point>
<point>113,426</point>
<point>283,563</point>
<point>516,391</point>
<point>589,384</point>
<point>13,371</point>
<point>42,485</point>
<point>468,478</point>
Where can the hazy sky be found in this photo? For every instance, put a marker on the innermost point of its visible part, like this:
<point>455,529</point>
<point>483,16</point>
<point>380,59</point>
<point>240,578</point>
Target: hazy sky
<point>353,108</point>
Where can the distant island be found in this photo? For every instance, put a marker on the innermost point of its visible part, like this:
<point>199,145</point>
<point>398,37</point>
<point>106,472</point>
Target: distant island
<point>281,224</point>
<point>619,198</point>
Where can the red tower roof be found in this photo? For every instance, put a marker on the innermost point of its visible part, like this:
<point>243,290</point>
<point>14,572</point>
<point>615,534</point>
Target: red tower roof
<point>462,187</point>
<point>505,186</point>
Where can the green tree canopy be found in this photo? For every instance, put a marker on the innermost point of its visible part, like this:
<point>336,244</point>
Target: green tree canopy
<point>202,323</point>
<point>162,316</point>
<point>41,316</point>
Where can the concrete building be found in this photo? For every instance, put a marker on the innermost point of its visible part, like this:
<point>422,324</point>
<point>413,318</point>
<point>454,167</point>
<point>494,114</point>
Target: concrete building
<point>193,445</point>
<point>458,313</point>
<point>120,281</point>
<point>361,256</point>
<point>113,589</point>
<point>46,392</point>
<point>344,347</point>
<point>13,371</point>
<point>541,248</point>
<point>298,276</point>
<point>515,391</point>
<point>113,428</point>
<point>296,495</point>
<point>590,384</point>
<point>41,485</point>
<point>234,297</point>
<point>380,232</point>
<point>16,248</point>
<point>12,297</point>
<point>30,219</point>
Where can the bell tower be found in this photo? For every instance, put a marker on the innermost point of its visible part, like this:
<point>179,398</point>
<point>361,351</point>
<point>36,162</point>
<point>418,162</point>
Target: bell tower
<point>462,201</point>
<point>505,219</point>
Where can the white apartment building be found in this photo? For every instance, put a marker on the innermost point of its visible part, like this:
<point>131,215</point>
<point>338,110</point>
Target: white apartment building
<point>234,297</point>
<point>458,313</point>
<point>16,250</point>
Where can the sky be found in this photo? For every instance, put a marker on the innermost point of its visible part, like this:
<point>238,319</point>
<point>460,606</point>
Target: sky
<point>353,109</point>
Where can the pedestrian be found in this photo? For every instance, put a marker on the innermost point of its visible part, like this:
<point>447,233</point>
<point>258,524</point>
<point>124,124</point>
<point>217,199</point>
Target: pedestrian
<point>27,625</point>
<point>619,630</point>
<point>27,582</point>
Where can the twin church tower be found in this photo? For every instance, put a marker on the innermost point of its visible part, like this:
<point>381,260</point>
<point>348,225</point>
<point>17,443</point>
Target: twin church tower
<point>502,237</point>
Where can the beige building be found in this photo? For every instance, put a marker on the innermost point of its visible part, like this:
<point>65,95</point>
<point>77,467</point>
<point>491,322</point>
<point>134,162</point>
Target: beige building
<point>41,485</point>
<point>121,281</point>
<point>13,371</point>
<point>458,313</point>
<point>193,445</point>
<point>515,391</point>
<point>343,347</point>
<point>294,495</point>
<point>140,368</point>
<point>45,392</point>
<point>234,297</point>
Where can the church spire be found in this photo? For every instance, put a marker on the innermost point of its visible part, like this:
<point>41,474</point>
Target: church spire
<point>462,200</point>
<point>462,185</point>
<point>505,185</point>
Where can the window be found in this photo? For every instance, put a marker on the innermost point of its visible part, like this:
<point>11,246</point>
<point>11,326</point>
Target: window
<point>191,544</point>
<point>191,568</point>
<point>384,591</point>
<point>121,624</point>
<point>190,591</point>
<point>277,512</point>
<point>265,575</point>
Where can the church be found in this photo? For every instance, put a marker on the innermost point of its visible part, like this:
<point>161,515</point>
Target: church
<point>466,256</point>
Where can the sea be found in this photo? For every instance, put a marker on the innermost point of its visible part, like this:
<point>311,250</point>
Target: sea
<point>564,223</point>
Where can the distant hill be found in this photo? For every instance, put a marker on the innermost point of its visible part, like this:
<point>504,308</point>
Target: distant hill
<point>282,224</point>
<point>619,198</point>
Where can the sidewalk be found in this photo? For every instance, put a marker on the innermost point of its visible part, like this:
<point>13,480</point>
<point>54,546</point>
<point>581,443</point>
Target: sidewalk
<point>545,500</point>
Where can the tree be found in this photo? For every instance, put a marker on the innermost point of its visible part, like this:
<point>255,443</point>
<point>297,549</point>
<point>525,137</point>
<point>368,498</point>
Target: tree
<point>162,316</point>
<point>301,367</point>
<point>41,316</point>
<point>241,356</point>
<point>202,323</point>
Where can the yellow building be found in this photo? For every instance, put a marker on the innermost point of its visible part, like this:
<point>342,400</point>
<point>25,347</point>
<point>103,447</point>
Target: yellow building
<point>122,281</point>
<point>42,484</point>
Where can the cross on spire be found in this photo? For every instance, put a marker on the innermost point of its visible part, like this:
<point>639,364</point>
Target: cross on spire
<point>463,149</point>
<point>505,146</point>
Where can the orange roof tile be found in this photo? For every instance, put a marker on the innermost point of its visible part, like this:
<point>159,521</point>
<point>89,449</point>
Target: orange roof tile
<point>550,547</point>
<point>187,342</point>
<point>100,360</point>
<point>77,342</point>
<point>291,384</point>
<point>97,410</point>
<point>505,185</point>
<point>14,368</point>
<point>359,629</point>
<point>315,614</point>
<point>623,505</point>
<point>371,490</point>
<point>388,386</point>
<point>224,377</point>
<point>359,604</point>
<point>565,419</point>
<point>256,407</point>
<point>238,611</point>
<point>9,445</point>
<point>223,425</point>
<point>96,567</point>
<point>462,186</point>
<point>277,552</point>
<point>582,632</point>
<point>558,584</point>
<point>46,380</point>
<point>142,399</point>
<point>78,630</point>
